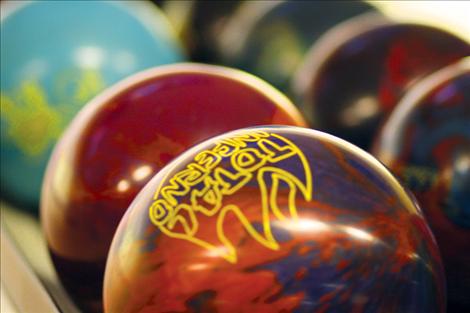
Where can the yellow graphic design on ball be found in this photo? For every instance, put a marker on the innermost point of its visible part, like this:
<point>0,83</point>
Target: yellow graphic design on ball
<point>200,188</point>
<point>32,122</point>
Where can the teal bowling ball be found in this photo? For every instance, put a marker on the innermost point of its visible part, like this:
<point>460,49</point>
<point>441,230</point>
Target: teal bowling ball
<point>55,56</point>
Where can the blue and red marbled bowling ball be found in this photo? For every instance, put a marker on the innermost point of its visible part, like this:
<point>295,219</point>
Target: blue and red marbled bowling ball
<point>121,139</point>
<point>426,143</point>
<point>274,219</point>
<point>355,75</point>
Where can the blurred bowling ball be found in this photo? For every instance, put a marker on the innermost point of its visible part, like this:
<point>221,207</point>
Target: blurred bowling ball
<point>270,38</point>
<point>426,143</point>
<point>274,219</point>
<point>355,75</point>
<point>199,24</point>
<point>122,138</point>
<point>55,56</point>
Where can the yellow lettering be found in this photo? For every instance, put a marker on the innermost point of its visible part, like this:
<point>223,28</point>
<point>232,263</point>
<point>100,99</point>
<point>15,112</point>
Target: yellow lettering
<point>200,189</point>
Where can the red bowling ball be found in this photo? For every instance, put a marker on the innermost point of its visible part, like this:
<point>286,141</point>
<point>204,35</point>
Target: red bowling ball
<point>121,139</point>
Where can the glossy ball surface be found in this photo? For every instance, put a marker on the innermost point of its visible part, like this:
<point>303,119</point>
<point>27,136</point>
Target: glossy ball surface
<point>122,138</point>
<point>274,219</point>
<point>356,74</point>
<point>426,143</point>
<point>270,38</point>
<point>57,55</point>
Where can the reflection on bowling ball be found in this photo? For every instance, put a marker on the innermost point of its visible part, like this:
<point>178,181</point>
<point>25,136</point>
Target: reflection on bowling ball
<point>121,139</point>
<point>199,24</point>
<point>55,56</point>
<point>359,70</point>
<point>274,219</point>
<point>426,143</point>
<point>270,38</point>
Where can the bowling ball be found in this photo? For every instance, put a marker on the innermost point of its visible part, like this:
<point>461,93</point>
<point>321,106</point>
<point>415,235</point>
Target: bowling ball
<point>270,38</point>
<point>274,219</point>
<point>55,56</point>
<point>355,75</point>
<point>426,143</point>
<point>121,139</point>
<point>199,24</point>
